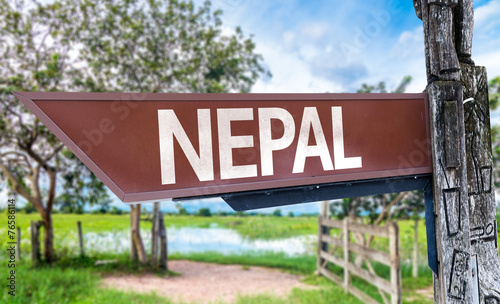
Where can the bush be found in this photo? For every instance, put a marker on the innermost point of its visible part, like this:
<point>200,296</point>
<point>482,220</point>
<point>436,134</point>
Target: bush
<point>204,212</point>
<point>115,210</point>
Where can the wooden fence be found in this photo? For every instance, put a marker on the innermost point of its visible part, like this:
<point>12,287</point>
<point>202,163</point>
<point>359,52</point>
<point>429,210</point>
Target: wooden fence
<point>327,253</point>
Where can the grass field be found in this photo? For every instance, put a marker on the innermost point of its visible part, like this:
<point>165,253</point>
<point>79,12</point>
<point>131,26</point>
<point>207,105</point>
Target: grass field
<point>76,280</point>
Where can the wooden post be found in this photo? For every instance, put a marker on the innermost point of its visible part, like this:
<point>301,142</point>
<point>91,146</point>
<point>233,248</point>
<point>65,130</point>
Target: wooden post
<point>415,249</point>
<point>396,296</point>
<point>136,235</point>
<point>18,243</point>
<point>347,274</point>
<point>163,243</point>
<point>322,230</point>
<point>447,28</point>
<point>155,234</point>
<point>35,243</point>
<point>80,238</point>
<point>133,249</point>
<point>482,217</point>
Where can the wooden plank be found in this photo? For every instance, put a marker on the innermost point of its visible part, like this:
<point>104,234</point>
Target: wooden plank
<point>331,276</point>
<point>380,231</point>
<point>332,259</point>
<point>331,223</point>
<point>372,254</point>
<point>371,278</point>
<point>338,242</point>
<point>361,295</point>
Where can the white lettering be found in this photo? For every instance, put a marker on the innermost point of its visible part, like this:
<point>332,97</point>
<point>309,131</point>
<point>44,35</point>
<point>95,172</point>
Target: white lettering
<point>310,119</point>
<point>227,143</point>
<point>341,162</point>
<point>169,126</point>
<point>267,144</point>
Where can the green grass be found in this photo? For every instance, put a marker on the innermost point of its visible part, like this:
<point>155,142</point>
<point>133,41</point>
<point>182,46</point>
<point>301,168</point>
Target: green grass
<point>81,285</point>
<point>250,226</point>
<point>56,284</point>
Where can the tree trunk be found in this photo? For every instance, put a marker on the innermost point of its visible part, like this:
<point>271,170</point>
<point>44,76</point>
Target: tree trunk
<point>136,234</point>
<point>133,250</point>
<point>48,237</point>
<point>415,250</point>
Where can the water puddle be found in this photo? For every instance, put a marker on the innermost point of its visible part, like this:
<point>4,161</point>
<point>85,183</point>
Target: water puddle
<point>191,240</point>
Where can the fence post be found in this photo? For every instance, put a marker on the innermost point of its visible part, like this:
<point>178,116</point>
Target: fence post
<point>35,244</point>
<point>395,263</point>
<point>80,238</point>
<point>347,274</point>
<point>155,231</point>
<point>163,242</point>
<point>415,249</point>
<point>18,243</point>
<point>322,230</point>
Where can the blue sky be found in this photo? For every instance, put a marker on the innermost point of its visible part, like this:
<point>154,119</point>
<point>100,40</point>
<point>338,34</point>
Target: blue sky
<point>320,46</point>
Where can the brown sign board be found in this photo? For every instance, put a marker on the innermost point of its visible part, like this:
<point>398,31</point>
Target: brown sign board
<point>159,146</point>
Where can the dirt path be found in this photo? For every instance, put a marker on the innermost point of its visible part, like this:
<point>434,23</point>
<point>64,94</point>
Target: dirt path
<point>209,283</point>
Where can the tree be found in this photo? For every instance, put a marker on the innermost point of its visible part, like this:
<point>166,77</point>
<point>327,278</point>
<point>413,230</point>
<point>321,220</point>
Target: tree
<point>111,45</point>
<point>494,93</point>
<point>34,51</point>
<point>377,208</point>
<point>163,46</point>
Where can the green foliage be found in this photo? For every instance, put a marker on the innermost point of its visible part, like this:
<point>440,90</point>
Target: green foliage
<point>115,210</point>
<point>162,46</point>
<point>381,87</point>
<point>204,212</point>
<point>110,45</point>
<point>495,144</point>
<point>494,92</point>
<point>277,213</point>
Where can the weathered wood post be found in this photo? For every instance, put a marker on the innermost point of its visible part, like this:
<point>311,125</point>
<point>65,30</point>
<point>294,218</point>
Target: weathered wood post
<point>395,263</point>
<point>414,270</point>
<point>35,242</point>
<point>347,256</point>
<point>18,244</point>
<point>482,216</point>
<point>155,234</point>
<point>80,238</point>
<point>322,230</point>
<point>163,243</point>
<point>464,206</point>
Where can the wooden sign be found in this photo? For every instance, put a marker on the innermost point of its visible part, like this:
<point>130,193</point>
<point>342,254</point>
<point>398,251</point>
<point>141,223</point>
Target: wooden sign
<point>159,146</point>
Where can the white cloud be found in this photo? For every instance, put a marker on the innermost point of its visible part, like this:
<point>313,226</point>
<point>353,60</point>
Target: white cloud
<point>315,31</point>
<point>487,16</point>
<point>291,73</point>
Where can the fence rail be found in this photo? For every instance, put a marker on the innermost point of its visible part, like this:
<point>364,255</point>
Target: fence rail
<point>328,244</point>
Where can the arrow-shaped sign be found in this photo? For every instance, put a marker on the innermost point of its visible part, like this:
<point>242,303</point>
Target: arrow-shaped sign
<point>158,146</point>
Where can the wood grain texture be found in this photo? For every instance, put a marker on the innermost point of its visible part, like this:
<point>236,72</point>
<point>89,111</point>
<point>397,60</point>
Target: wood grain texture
<point>450,200</point>
<point>482,217</point>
